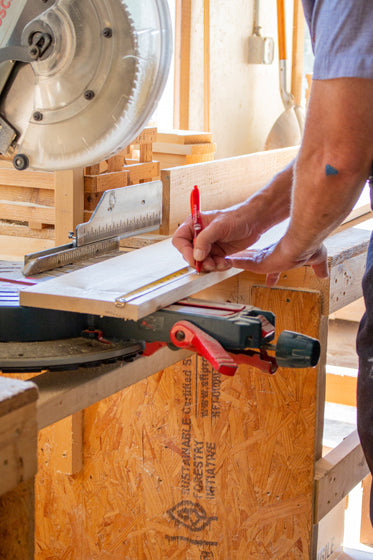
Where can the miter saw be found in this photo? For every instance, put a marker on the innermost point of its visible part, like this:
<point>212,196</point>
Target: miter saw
<point>78,81</point>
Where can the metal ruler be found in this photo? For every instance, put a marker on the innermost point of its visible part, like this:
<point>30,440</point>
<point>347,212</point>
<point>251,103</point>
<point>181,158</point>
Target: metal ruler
<point>121,213</point>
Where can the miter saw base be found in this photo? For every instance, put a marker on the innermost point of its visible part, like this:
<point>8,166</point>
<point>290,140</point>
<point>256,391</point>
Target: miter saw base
<point>71,353</point>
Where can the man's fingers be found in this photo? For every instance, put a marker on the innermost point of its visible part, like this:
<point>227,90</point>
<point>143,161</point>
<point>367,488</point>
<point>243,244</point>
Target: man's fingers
<point>320,267</point>
<point>272,279</point>
<point>321,270</point>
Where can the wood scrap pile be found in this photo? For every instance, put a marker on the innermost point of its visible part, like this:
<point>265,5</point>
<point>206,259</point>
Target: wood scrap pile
<point>183,147</point>
<point>131,166</point>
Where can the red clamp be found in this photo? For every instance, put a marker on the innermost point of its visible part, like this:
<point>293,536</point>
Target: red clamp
<point>186,335</point>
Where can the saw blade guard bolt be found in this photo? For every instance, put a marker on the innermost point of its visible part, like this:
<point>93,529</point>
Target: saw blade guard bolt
<point>20,162</point>
<point>107,32</point>
<point>37,116</point>
<point>89,94</point>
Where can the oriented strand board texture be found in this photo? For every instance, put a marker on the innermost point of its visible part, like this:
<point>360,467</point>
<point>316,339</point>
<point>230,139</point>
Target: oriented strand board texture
<point>190,465</point>
<point>17,523</point>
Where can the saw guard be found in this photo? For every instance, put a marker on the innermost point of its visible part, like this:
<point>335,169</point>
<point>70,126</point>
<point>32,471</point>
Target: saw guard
<point>98,88</point>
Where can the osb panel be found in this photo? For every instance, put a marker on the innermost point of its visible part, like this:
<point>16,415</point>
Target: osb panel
<point>190,465</point>
<point>17,523</point>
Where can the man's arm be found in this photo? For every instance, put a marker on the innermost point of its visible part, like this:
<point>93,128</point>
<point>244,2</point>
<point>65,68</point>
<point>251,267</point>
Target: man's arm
<point>333,165</point>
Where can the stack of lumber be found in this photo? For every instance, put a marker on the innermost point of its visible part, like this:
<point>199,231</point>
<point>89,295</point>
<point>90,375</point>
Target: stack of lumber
<point>31,201</point>
<point>26,202</point>
<point>183,147</point>
<point>131,166</point>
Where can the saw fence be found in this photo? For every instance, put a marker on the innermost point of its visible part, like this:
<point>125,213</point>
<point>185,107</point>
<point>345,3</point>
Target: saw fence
<point>164,458</point>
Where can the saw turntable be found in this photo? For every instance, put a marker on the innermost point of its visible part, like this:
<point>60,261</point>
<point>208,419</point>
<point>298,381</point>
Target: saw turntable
<point>79,79</point>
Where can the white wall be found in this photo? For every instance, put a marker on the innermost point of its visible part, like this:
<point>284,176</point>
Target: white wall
<point>245,99</point>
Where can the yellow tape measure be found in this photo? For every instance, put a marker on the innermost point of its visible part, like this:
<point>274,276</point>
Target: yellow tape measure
<point>153,286</point>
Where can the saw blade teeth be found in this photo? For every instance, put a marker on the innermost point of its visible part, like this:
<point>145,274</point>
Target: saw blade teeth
<point>95,96</point>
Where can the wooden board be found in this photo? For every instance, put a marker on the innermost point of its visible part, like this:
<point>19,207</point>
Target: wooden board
<point>222,183</point>
<point>183,136</point>
<point>337,473</point>
<point>18,465</point>
<point>95,289</point>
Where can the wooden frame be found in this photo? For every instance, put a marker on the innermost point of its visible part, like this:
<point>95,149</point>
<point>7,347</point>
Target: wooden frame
<point>300,300</point>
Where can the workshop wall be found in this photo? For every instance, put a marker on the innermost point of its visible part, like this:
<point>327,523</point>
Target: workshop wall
<point>244,98</point>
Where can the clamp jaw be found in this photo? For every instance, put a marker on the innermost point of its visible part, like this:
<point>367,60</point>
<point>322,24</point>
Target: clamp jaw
<point>227,335</point>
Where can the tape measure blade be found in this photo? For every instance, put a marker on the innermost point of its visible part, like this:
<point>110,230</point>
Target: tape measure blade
<point>153,286</point>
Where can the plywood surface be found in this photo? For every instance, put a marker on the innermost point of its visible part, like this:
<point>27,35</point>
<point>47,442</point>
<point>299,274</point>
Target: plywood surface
<point>188,464</point>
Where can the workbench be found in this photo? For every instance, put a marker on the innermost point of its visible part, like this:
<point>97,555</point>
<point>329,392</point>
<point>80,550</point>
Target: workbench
<point>163,458</point>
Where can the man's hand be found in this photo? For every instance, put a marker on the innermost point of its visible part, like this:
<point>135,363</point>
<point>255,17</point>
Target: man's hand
<point>276,258</point>
<point>234,229</point>
<point>223,233</point>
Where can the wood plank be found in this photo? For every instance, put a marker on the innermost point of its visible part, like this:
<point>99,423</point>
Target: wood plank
<point>206,65</point>
<point>18,434</point>
<point>183,29</point>
<point>222,183</point>
<point>115,163</point>
<point>184,149</point>
<point>15,248</point>
<point>24,232</point>
<point>142,171</point>
<point>97,168</point>
<point>337,474</point>
<point>15,394</point>
<point>28,178</point>
<point>146,136</point>
<point>366,529</point>
<point>341,389</point>
<point>105,181</point>
<point>66,439</point>
<point>44,197</point>
<point>183,137</point>
<point>26,212</point>
<point>297,52</point>
<point>69,186</point>
<point>62,393</point>
<point>18,441</point>
<point>95,289</point>
<point>146,152</point>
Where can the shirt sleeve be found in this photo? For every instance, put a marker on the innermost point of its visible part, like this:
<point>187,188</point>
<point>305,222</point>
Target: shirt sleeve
<point>342,38</point>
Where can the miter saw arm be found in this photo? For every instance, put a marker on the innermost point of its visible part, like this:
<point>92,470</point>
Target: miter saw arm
<point>79,79</point>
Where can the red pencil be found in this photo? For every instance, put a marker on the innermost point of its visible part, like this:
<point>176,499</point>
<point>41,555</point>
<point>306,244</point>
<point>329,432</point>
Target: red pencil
<point>195,206</point>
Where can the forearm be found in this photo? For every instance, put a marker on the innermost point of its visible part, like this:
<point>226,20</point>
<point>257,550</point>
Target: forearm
<point>272,203</point>
<point>334,162</point>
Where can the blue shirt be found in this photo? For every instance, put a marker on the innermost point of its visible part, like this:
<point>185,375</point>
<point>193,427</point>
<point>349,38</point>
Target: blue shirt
<point>342,37</point>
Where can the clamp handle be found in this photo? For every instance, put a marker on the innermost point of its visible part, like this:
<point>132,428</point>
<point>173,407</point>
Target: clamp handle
<point>186,335</point>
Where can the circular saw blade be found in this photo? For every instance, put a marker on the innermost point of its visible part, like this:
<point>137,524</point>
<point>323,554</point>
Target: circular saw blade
<point>95,92</point>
